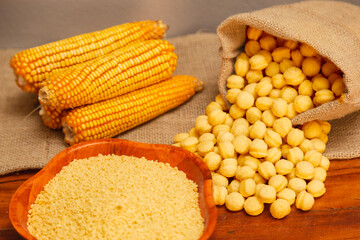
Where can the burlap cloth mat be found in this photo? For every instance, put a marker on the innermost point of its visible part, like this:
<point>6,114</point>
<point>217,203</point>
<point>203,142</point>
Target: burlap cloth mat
<point>25,143</point>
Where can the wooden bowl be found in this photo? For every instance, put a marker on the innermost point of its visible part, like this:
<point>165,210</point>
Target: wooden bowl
<point>185,161</point>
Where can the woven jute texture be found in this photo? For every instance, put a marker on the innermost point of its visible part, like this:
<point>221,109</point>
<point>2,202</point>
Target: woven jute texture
<point>26,143</point>
<point>332,28</point>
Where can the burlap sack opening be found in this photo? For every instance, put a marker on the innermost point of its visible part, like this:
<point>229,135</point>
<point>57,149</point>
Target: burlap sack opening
<point>332,28</point>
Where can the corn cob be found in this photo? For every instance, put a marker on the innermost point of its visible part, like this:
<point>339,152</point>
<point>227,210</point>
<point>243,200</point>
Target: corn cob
<point>34,65</point>
<point>51,117</point>
<point>132,67</point>
<point>114,116</point>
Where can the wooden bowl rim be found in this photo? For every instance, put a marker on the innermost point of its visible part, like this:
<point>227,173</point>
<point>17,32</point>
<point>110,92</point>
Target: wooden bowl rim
<point>207,185</point>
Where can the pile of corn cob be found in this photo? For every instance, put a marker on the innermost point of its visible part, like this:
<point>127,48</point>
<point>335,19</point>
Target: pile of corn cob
<point>99,84</point>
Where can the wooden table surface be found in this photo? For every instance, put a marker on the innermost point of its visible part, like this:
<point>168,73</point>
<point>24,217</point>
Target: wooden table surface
<point>335,215</point>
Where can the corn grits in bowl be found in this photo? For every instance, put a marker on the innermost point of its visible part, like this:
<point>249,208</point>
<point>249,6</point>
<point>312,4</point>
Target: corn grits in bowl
<point>117,189</point>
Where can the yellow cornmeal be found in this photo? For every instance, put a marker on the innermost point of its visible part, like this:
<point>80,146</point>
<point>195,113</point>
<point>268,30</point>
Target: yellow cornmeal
<point>117,197</point>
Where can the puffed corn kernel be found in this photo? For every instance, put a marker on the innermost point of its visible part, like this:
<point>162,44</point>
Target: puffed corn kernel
<point>266,54</point>
<point>267,194</point>
<point>285,150</point>
<point>324,138</point>
<point>228,120</point>
<point>272,69</point>
<point>285,64</point>
<point>268,118</point>
<point>264,87</point>
<point>241,159</point>
<point>304,201</point>
<point>242,66</point>
<point>305,88</point>
<point>294,76</point>
<point>244,100</point>
<point>212,160</point>
<point>291,44</point>
<point>258,148</point>
<point>273,155</point>
<point>267,43</point>
<point>280,53</point>
<point>338,87</point>
<point>216,117</point>
<point>235,81</point>
<point>225,136</point>
<point>258,130</point>
<point>312,129</point>
<point>320,83</point>
<point>325,163</point>
<point>314,157</point>
<point>280,208</point>
<point>306,145</point>
<point>247,187</point>
<point>263,103</point>
<point>202,125</point>
<point>288,94</point>
<point>325,126</point>
<point>318,144</point>
<point>236,112</point>
<point>302,103</point>
<point>190,144</point>
<point>241,144</point>
<point>204,147</point>
<point>258,187</point>
<point>295,137</point>
<point>319,174</point>
<point>279,107</point>
<point>291,111</point>
<point>329,68</point>
<point>297,185</point>
<point>275,93</point>
<point>212,106</point>
<point>231,94</point>
<point>234,201</point>
<point>279,182</point>
<point>323,96</point>
<point>280,41</point>
<point>244,172</point>
<point>278,81</point>
<point>267,170</point>
<point>220,100</point>
<point>226,150</point>
<point>259,179</point>
<point>208,137</point>
<point>310,66</point>
<point>253,206</point>
<point>250,88</point>
<point>307,50</point>
<point>287,194</point>
<point>251,48</point>
<point>219,193</point>
<point>283,166</point>
<point>258,62</point>
<point>291,174</point>
<point>295,155</point>
<point>254,76</point>
<point>220,128</point>
<point>193,133</point>
<point>253,33</point>
<point>233,186</point>
<point>228,167</point>
<point>333,76</point>
<point>304,170</point>
<point>181,136</point>
<point>239,130</point>
<point>282,126</point>
<point>251,162</point>
<point>297,57</point>
<point>316,188</point>
<point>219,180</point>
<point>272,138</point>
<point>253,114</point>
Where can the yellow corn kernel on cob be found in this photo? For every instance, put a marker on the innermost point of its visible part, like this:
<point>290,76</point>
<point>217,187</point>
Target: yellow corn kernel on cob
<point>51,117</point>
<point>114,116</point>
<point>132,67</point>
<point>34,65</point>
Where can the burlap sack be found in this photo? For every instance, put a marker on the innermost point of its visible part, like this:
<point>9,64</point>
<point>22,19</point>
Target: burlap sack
<point>332,28</point>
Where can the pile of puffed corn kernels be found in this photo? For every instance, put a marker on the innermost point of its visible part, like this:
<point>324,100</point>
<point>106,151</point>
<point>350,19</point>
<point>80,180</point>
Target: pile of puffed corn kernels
<point>254,153</point>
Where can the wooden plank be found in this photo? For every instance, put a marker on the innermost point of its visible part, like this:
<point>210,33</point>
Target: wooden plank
<point>336,215</point>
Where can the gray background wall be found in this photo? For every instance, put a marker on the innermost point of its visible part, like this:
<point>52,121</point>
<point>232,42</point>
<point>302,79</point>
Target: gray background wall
<point>28,23</point>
